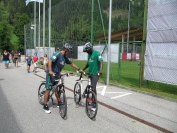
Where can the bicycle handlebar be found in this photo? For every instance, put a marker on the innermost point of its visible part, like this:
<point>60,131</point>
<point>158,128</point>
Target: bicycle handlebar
<point>62,75</point>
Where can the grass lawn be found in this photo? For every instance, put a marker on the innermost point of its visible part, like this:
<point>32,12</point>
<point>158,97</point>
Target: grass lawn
<point>128,76</point>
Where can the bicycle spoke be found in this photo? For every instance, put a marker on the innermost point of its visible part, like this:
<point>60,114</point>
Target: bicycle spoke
<point>77,93</point>
<point>41,92</point>
<point>63,104</point>
<point>91,105</point>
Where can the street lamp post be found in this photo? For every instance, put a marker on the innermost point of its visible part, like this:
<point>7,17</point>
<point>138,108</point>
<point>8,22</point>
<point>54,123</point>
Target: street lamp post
<point>128,25</point>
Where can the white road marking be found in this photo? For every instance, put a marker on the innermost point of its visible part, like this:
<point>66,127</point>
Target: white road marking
<point>121,95</point>
<point>103,91</point>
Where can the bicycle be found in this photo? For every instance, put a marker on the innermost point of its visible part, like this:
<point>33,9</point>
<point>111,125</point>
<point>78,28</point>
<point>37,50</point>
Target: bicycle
<point>58,84</point>
<point>91,107</point>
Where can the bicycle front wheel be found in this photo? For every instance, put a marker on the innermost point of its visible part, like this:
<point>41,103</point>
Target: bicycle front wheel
<point>91,107</point>
<point>41,92</point>
<point>63,102</point>
<point>77,93</point>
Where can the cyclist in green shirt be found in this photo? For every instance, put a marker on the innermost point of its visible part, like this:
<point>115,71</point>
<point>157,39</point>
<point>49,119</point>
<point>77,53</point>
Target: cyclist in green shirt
<point>94,63</point>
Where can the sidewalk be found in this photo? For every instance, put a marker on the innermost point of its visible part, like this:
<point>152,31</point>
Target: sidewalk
<point>143,107</point>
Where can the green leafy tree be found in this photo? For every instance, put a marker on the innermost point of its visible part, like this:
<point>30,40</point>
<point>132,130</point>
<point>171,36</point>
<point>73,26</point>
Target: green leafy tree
<point>19,29</point>
<point>5,30</point>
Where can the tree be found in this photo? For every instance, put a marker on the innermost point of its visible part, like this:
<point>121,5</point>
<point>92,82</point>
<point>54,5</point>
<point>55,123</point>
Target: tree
<point>19,29</point>
<point>5,30</point>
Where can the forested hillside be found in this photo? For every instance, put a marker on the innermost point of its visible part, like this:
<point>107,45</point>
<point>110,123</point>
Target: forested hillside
<point>15,14</point>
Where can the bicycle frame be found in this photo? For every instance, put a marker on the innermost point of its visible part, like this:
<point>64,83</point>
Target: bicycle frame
<point>59,85</point>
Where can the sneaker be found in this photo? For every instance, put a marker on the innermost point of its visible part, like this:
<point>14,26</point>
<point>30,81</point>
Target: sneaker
<point>28,71</point>
<point>46,109</point>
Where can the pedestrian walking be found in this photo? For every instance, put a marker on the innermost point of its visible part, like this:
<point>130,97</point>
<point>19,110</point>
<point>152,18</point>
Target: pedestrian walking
<point>45,62</point>
<point>16,59</point>
<point>6,58</point>
<point>12,55</point>
<point>28,62</point>
<point>35,61</point>
<point>19,56</point>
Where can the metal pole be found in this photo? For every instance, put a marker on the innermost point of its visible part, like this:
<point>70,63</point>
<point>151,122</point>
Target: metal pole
<point>109,44</point>
<point>128,25</point>
<point>92,17</point>
<point>119,61</point>
<point>39,28</point>
<point>43,23</point>
<point>143,43</point>
<point>24,40</point>
<point>49,26</point>
<point>35,25</point>
<point>102,26</point>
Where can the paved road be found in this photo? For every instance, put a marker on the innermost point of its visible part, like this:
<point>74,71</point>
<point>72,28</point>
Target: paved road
<point>120,110</point>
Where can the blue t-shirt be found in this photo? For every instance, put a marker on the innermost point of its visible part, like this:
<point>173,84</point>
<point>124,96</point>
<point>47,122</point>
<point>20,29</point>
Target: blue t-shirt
<point>28,61</point>
<point>58,62</point>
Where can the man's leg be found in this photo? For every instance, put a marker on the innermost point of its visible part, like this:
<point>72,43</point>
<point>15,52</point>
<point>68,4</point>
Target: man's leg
<point>46,94</point>
<point>94,80</point>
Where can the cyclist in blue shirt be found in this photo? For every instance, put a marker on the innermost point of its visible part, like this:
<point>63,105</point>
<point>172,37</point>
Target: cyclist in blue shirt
<point>55,66</point>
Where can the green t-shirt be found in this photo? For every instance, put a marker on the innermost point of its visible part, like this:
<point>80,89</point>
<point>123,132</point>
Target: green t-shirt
<point>94,62</point>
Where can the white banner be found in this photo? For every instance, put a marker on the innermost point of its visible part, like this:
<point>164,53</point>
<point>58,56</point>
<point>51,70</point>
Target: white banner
<point>114,52</point>
<point>161,42</point>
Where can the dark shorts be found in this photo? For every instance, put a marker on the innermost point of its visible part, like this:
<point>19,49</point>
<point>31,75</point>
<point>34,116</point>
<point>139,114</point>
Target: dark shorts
<point>94,80</point>
<point>14,60</point>
<point>50,81</point>
<point>29,65</point>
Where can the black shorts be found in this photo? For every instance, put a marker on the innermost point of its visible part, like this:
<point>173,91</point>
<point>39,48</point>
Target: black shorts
<point>94,80</point>
<point>29,65</point>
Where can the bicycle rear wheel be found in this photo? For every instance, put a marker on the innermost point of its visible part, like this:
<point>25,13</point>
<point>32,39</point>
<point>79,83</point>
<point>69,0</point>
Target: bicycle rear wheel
<point>77,93</point>
<point>63,102</point>
<point>91,107</point>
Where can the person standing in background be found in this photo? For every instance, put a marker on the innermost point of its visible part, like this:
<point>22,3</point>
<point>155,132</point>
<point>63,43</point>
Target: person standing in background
<point>12,55</point>
<point>28,62</point>
<point>35,61</point>
<point>19,56</point>
<point>16,59</point>
<point>6,57</point>
<point>45,62</point>
<point>26,57</point>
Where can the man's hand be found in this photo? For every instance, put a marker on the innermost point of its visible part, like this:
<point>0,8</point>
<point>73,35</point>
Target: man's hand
<point>81,71</point>
<point>100,73</point>
<point>51,73</point>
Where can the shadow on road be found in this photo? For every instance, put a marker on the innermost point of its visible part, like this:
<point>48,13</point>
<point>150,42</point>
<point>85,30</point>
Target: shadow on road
<point>8,122</point>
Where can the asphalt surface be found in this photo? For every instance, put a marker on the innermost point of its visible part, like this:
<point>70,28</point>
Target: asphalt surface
<point>119,110</point>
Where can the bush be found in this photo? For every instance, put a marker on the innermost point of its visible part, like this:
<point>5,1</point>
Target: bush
<point>40,62</point>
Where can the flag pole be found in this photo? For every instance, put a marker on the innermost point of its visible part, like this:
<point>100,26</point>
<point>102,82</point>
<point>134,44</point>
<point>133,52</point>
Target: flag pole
<point>43,24</point>
<point>35,25</point>
<point>49,27</point>
<point>109,44</point>
<point>39,28</point>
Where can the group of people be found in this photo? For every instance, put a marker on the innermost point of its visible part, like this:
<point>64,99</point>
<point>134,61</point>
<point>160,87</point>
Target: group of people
<point>35,60</point>
<point>56,63</point>
<point>14,57</point>
<point>59,59</point>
